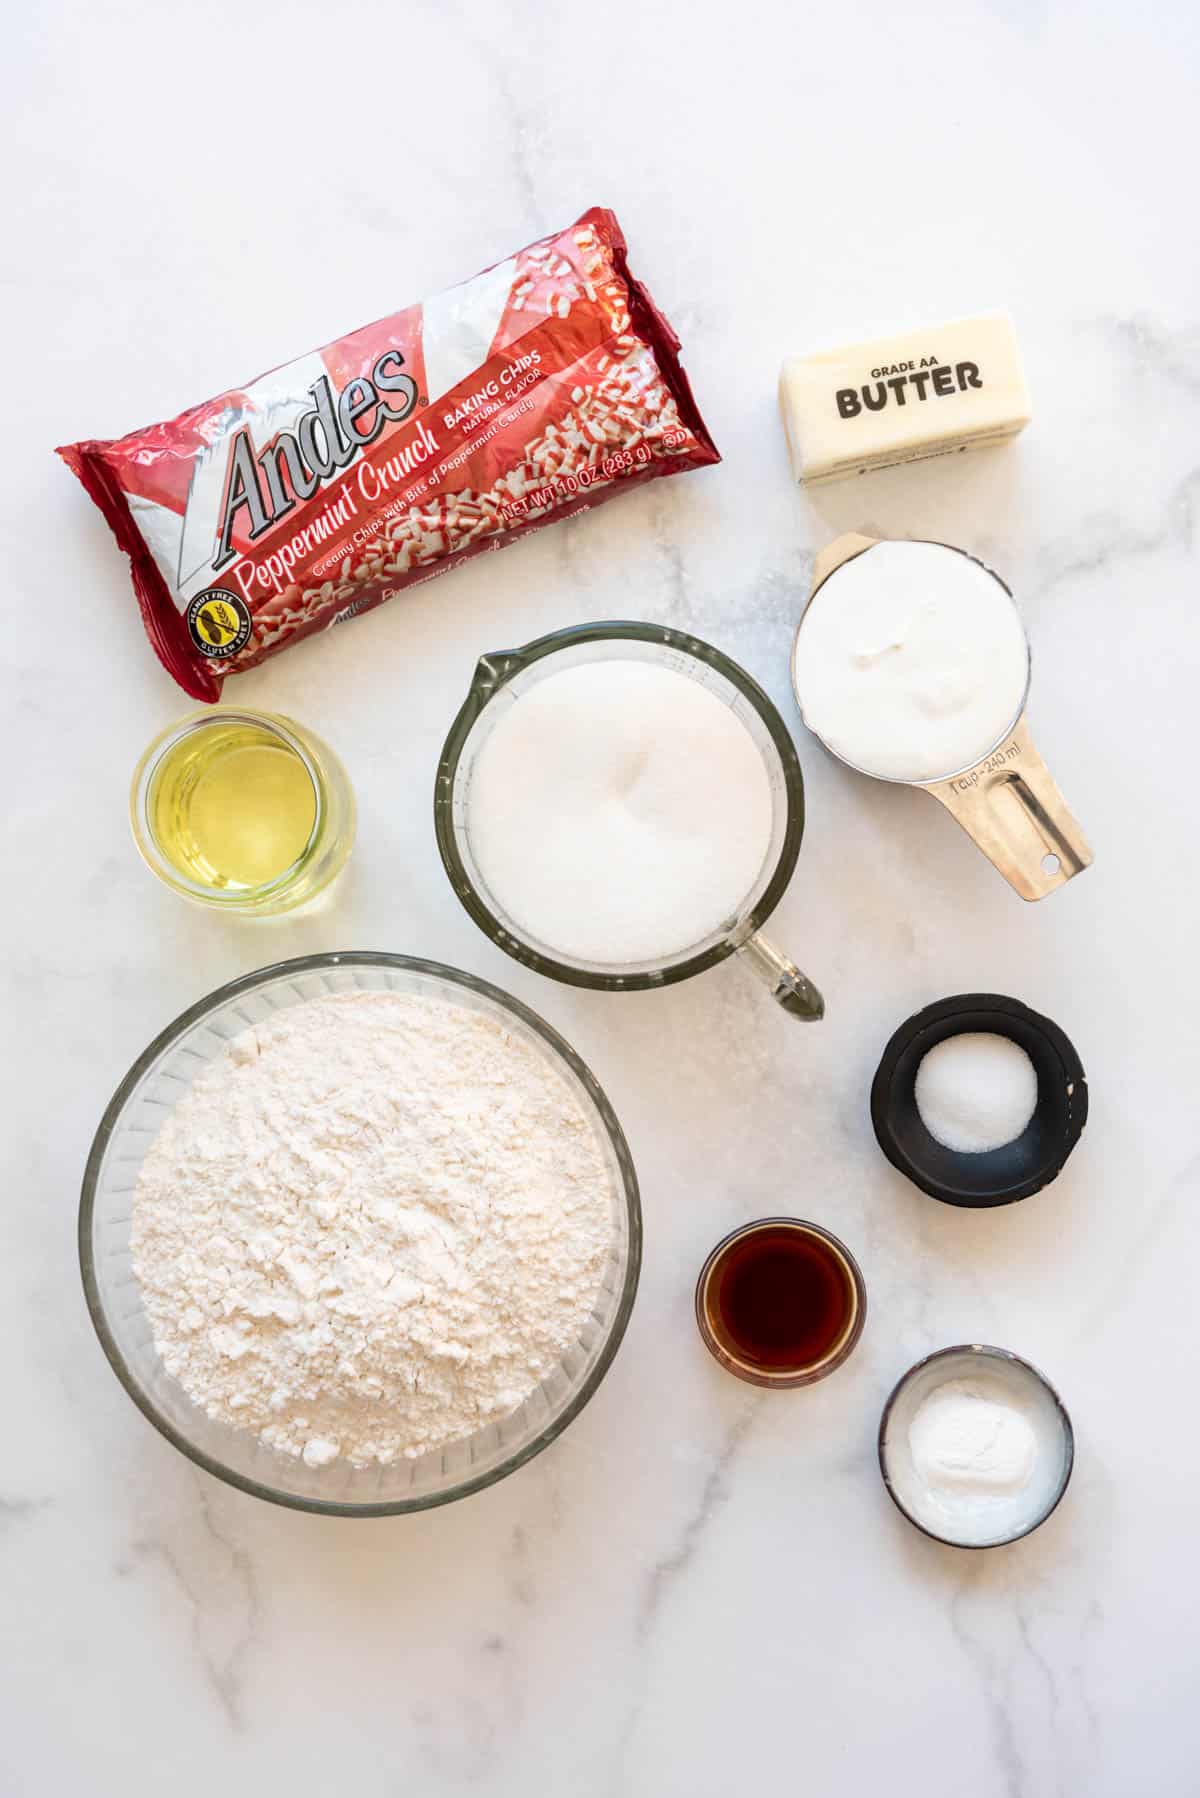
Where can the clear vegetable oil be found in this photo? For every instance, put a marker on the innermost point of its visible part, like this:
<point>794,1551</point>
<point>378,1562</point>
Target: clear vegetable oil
<point>245,811</point>
<point>232,806</point>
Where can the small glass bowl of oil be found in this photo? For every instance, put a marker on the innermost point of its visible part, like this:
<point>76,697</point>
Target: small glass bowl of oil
<point>246,811</point>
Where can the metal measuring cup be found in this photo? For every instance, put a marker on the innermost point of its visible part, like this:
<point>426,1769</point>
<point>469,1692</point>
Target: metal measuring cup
<point>1007,801</point>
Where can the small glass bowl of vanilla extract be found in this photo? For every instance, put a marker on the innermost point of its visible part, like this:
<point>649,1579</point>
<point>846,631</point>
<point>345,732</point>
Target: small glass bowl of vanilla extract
<point>246,811</point>
<point>780,1302</point>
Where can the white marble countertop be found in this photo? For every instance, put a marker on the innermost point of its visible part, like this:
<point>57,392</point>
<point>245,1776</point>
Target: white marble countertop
<point>698,1590</point>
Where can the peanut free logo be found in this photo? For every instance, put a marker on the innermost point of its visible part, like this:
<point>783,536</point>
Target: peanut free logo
<point>218,623</point>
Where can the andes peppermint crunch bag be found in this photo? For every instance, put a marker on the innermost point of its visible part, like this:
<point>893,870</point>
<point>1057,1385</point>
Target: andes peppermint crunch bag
<point>318,491</point>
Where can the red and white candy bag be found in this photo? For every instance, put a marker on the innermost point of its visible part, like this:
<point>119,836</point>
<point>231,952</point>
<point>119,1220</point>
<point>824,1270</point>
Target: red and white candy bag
<point>323,488</point>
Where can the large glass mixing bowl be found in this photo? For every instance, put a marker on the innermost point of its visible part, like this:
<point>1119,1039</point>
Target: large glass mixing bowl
<point>500,680</point>
<point>154,1085</point>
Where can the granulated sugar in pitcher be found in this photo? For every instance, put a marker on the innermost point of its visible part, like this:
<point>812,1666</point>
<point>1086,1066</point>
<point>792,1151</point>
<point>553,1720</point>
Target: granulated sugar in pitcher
<point>620,806</point>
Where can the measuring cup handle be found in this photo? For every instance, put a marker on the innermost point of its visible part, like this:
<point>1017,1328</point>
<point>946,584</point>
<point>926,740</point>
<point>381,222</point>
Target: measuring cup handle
<point>789,987</point>
<point>1010,805</point>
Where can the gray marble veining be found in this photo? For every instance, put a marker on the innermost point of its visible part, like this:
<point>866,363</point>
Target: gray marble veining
<point>697,1590</point>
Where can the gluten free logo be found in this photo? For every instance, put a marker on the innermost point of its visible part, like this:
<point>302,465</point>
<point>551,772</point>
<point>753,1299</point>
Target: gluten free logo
<point>218,622</point>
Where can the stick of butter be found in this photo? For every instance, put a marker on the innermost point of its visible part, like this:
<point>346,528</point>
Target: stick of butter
<point>928,392</point>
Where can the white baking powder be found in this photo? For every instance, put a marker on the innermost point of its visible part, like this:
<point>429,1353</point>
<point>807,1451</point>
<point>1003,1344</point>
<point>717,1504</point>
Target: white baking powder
<point>911,662</point>
<point>370,1227</point>
<point>619,812</point>
<point>973,1440</point>
<point>976,1091</point>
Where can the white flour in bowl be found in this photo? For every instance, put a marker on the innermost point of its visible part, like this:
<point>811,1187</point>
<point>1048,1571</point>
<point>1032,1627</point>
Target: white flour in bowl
<point>371,1227</point>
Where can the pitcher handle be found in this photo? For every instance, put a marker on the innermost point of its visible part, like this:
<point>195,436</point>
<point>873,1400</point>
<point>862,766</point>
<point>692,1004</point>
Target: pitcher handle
<point>790,988</point>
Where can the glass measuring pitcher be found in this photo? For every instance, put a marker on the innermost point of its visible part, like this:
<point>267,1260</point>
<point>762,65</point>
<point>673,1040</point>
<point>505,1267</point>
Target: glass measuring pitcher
<point>1006,800</point>
<point>500,680</point>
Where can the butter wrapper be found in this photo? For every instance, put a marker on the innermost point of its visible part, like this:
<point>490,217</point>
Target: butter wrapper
<point>932,391</point>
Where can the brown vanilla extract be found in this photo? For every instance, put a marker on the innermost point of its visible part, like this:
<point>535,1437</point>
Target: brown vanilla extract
<point>779,1298</point>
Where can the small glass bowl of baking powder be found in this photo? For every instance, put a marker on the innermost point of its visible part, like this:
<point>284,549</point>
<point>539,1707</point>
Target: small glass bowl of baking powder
<point>147,1096</point>
<point>975,1446</point>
